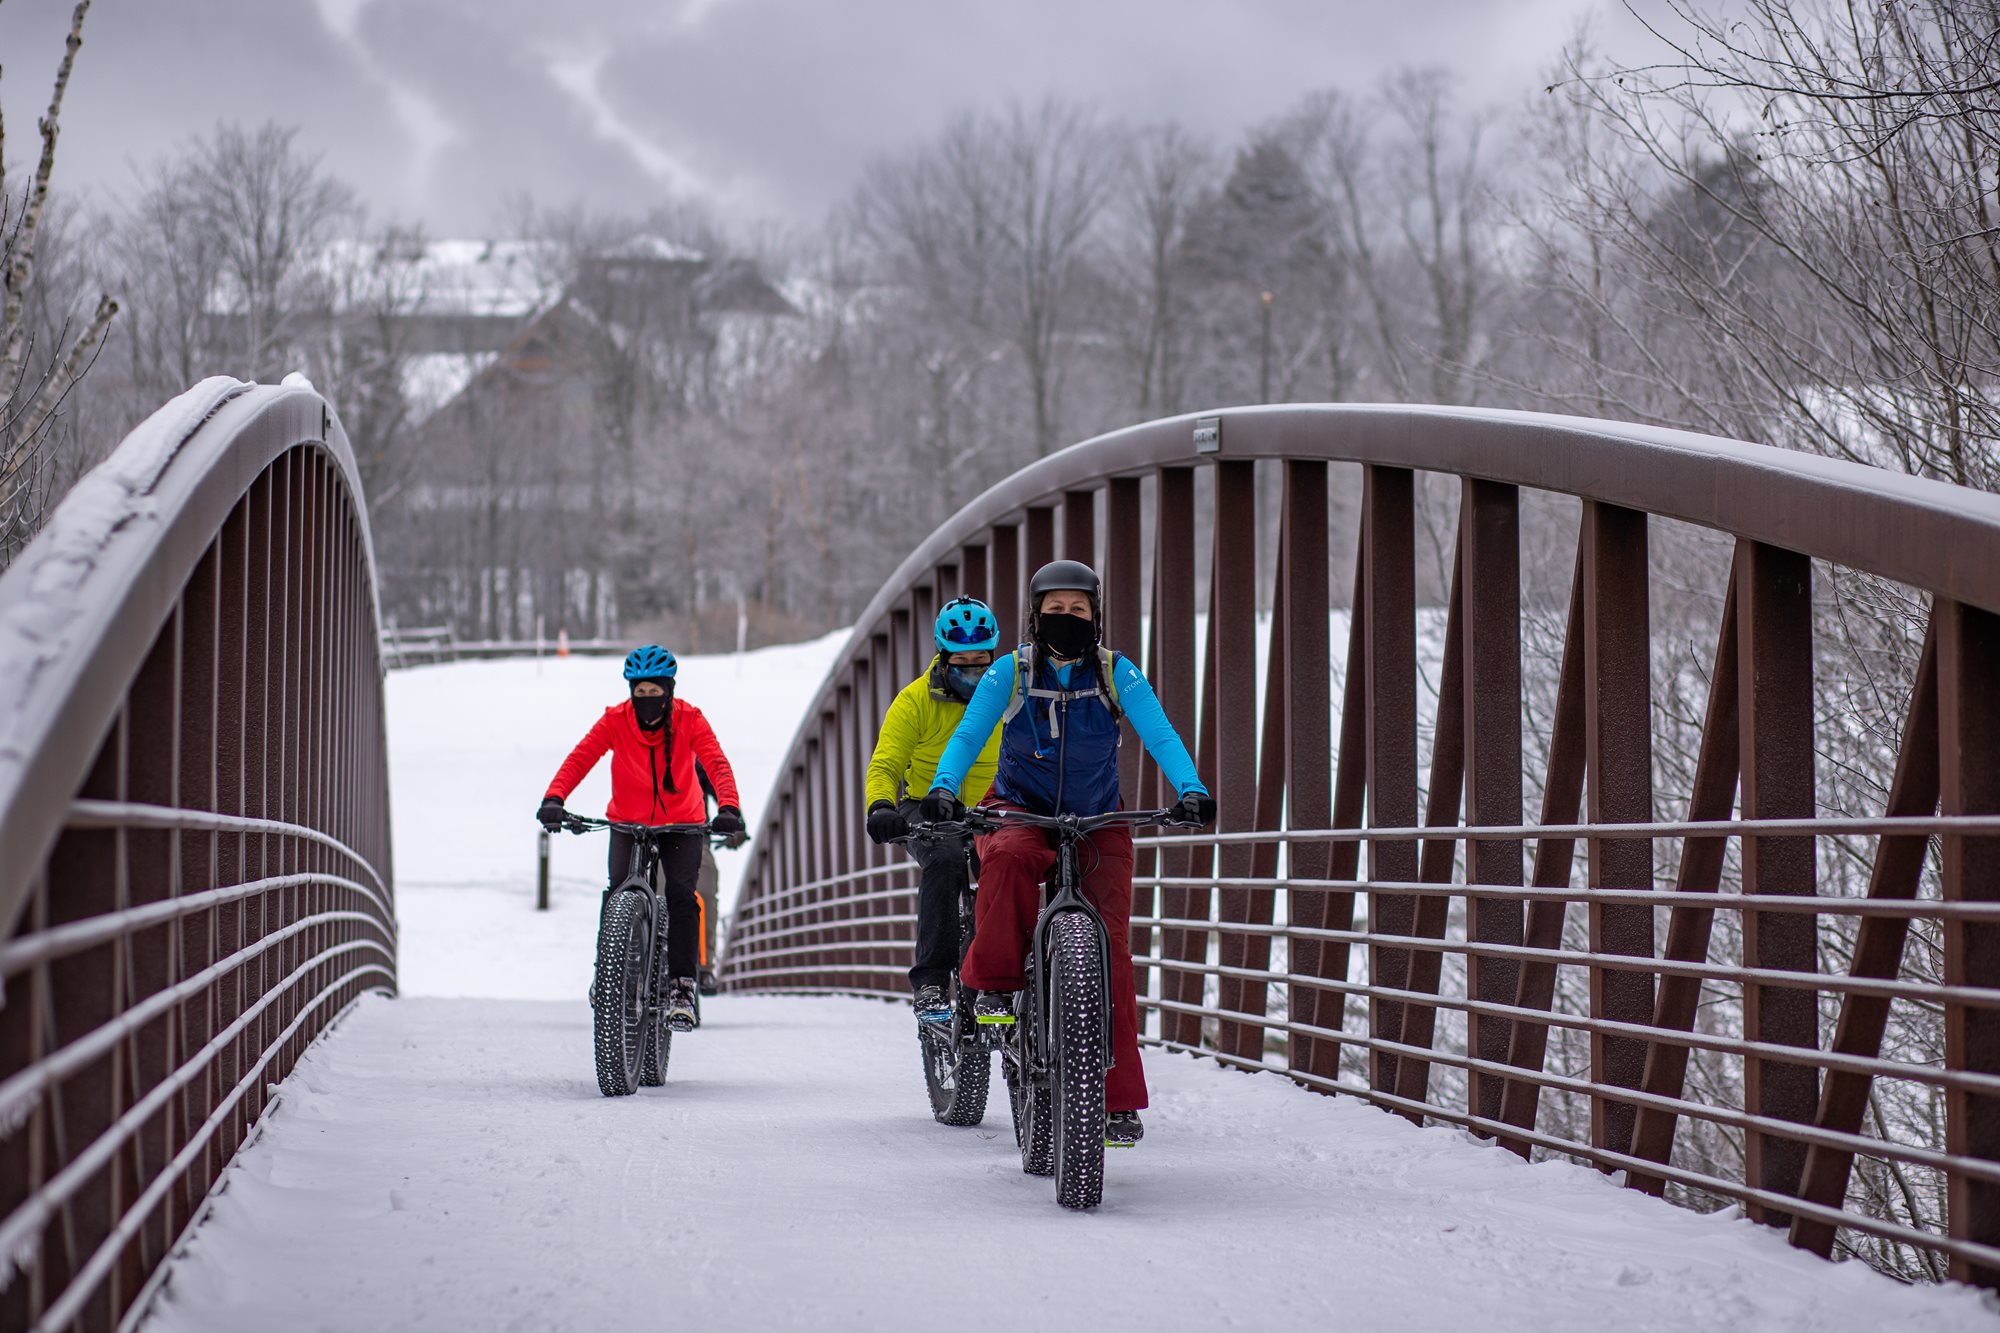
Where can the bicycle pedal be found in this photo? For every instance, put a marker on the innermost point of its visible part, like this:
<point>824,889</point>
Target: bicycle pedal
<point>1119,1143</point>
<point>995,1020</point>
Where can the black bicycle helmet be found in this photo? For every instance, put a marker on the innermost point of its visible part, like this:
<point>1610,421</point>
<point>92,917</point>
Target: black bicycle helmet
<point>1065,576</point>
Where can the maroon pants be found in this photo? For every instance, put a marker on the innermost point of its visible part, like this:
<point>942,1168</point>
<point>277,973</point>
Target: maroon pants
<point>1012,864</point>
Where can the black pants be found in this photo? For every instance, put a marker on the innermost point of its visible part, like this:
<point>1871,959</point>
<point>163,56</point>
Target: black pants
<point>941,878</point>
<point>680,861</point>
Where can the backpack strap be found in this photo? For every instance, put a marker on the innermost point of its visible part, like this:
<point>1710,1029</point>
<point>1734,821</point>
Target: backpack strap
<point>1104,688</point>
<point>1107,662</point>
<point>1024,668</point>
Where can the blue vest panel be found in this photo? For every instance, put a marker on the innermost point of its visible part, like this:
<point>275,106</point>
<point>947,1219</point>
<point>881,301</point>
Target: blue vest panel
<point>1060,756</point>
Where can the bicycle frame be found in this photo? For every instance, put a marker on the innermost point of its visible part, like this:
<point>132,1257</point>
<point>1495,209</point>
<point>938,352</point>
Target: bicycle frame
<point>645,857</point>
<point>1070,830</point>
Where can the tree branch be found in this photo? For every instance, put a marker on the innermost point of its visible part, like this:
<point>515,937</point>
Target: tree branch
<point>13,334</point>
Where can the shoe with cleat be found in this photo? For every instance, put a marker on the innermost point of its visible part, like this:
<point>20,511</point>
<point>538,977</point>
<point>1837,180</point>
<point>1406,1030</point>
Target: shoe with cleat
<point>1122,1129</point>
<point>680,1004</point>
<point>994,1008</point>
<point>931,1004</point>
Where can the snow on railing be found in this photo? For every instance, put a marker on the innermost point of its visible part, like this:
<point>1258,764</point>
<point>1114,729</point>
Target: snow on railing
<point>1771,1001</point>
<point>194,830</point>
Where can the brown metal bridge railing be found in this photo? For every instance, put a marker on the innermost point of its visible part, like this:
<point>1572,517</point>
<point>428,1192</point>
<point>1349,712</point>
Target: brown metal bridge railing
<point>1446,976</point>
<point>194,829</point>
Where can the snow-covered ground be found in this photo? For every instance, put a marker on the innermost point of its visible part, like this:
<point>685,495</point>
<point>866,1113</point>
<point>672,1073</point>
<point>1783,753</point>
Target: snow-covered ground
<point>444,1161</point>
<point>448,1164</point>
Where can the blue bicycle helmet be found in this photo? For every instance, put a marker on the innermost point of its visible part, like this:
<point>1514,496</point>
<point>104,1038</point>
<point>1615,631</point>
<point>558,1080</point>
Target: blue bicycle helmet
<point>966,625</point>
<point>651,663</point>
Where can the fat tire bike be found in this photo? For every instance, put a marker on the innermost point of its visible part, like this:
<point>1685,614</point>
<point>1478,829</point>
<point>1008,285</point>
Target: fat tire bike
<point>1055,1055</point>
<point>957,1056</point>
<point>630,1034</point>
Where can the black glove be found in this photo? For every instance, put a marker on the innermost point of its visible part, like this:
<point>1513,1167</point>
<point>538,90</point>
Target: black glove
<point>886,823</point>
<point>735,840</point>
<point>727,820</point>
<point>942,807</point>
<point>552,814</point>
<point>1196,808</point>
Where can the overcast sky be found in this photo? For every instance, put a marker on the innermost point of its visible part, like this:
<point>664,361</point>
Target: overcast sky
<point>440,109</point>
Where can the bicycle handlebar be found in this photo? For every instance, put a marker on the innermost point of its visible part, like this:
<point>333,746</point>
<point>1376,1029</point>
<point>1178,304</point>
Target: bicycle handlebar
<point>585,824</point>
<point>985,819</point>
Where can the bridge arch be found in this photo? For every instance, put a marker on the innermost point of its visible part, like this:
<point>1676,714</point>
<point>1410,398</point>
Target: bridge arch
<point>1352,907</point>
<point>194,827</point>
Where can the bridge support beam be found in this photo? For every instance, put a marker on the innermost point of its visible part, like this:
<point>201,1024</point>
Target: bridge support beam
<point>1690,925</point>
<point>1618,738</point>
<point>1304,599</point>
<point>1172,670</point>
<point>1231,691</point>
<point>1969,738</point>
<point>1774,673</point>
<point>1389,611</point>
<point>1005,583</point>
<point>1490,574</point>
<point>1878,953</point>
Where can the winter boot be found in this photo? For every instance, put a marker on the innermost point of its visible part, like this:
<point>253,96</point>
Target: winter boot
<point>930,1004</point>
<point>680,1004</point>
<point>1122,1129</point>
<point>709,984</point>
<point>994,1008</point>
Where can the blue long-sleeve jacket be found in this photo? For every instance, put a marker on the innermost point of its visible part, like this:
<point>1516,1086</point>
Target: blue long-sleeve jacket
<point>996,690</point>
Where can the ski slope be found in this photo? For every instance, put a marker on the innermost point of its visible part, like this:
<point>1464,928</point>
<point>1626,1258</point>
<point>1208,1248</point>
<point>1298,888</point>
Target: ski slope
<point>444,1161</point>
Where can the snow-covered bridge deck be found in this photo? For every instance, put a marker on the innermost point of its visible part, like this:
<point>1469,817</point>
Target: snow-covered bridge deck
<point>449,1164</point>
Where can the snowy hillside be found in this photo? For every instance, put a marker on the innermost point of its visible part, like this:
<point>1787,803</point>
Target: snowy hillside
<point>472,746</point>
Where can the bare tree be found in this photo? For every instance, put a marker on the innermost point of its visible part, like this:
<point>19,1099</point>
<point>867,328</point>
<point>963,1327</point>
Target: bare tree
<point>34,382</point>
<point>1409,205</point>
<point>1444,219</point>
<point>169,266</point>
<point>1164,171</point>
<point>1808,192</point>
<point>271,212</point>
<point>377,285</point>
<point>991,225</point>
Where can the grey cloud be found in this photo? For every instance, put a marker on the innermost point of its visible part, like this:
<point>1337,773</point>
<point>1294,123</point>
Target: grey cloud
<point>152,75</point>
<point>787,98</point>
<point>776,104</point>
<point>515,130</point>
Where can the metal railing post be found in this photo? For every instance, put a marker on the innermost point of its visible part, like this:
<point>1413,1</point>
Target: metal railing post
<point>542,871</point>
<point>1468,998</point>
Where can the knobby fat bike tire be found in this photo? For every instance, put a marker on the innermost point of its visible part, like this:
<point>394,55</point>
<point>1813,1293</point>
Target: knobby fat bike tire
<point>659,1038</point>
<point>624,1016</point>
<point>1076,1015</point>
<point>1029,1098</point>
<point>958,1067</point>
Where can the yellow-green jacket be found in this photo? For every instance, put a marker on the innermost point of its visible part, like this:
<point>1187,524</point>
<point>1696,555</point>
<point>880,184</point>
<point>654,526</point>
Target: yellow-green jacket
<point>914,734</point>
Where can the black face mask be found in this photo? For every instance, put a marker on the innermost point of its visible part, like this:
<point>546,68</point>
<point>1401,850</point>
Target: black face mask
<point>963,681</point>
<point>651,710</point>
<point>1065,636</point>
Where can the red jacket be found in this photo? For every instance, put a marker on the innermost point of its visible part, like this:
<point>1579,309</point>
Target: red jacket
<point>640,790</point>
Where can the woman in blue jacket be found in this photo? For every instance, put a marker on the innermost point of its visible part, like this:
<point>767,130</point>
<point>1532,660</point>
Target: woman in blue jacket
<point>1059,755</point>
